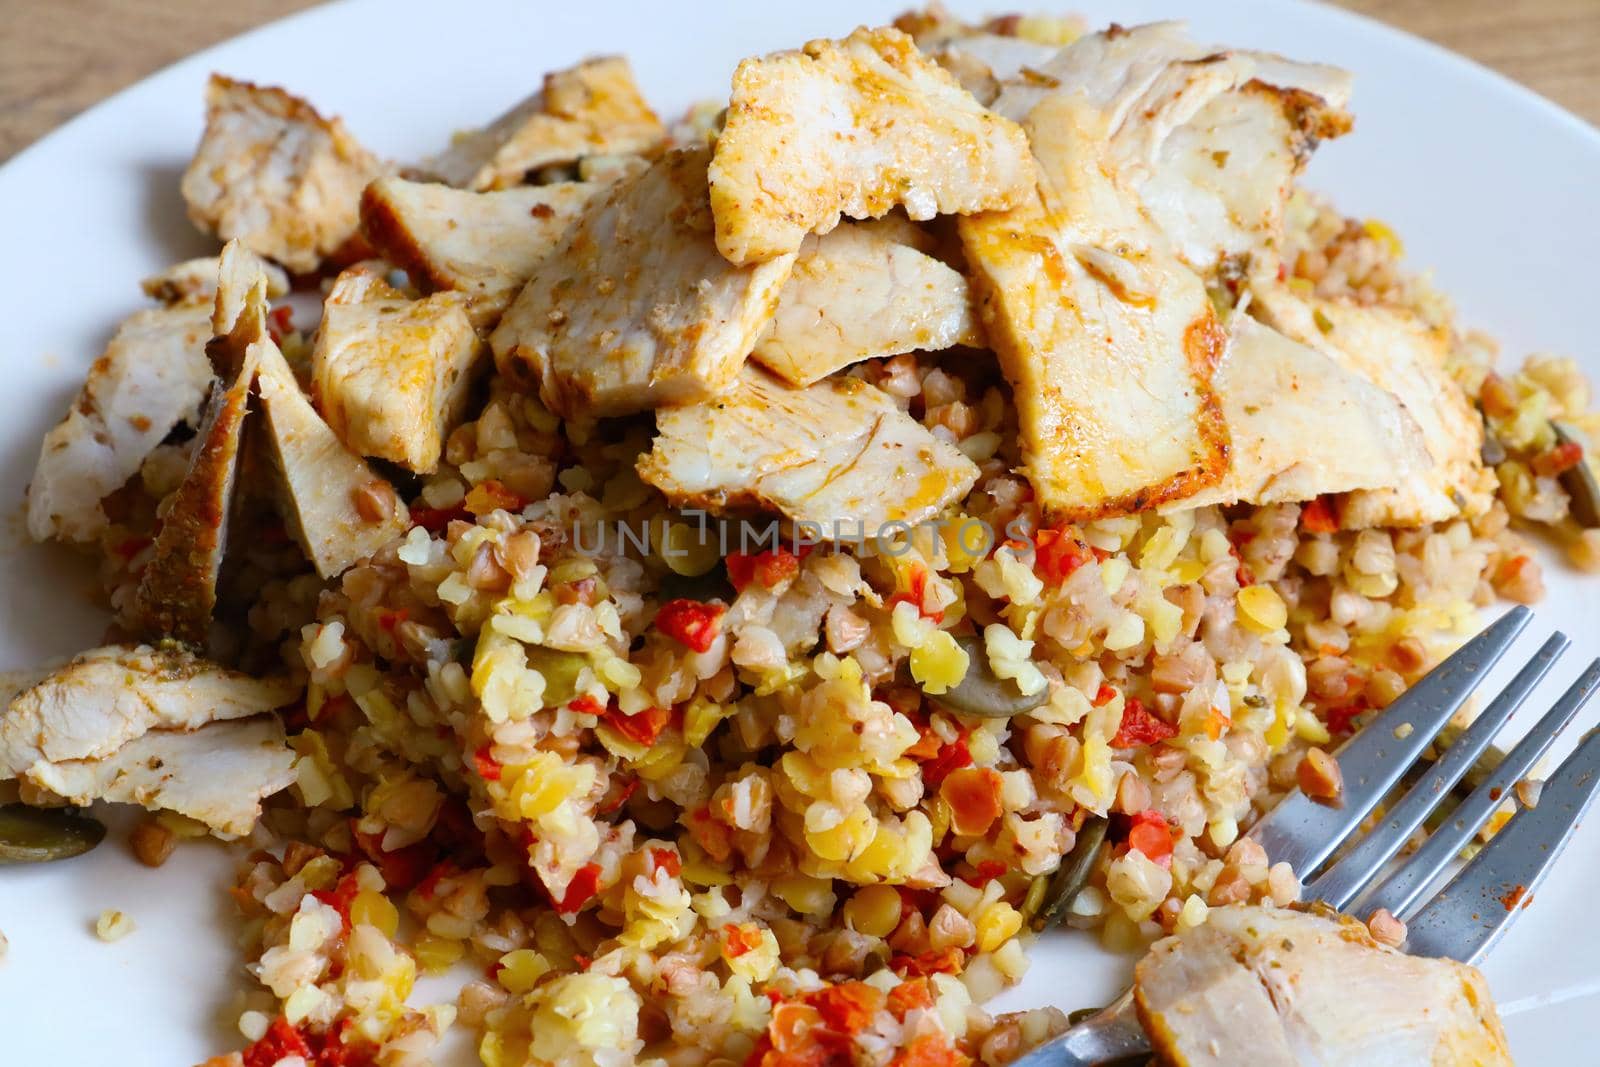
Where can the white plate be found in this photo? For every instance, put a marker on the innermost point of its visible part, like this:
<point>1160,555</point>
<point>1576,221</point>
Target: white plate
<point>1490,185</point>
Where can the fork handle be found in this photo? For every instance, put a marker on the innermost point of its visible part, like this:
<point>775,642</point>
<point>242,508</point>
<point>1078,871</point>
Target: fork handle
<point>1109,1035</point>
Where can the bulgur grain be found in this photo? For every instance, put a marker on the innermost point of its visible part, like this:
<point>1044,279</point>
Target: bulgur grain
<point>152,842</point>
<point>1386,929</point>
<point>376,501</point>
<point>1282,885</point>
<point>1133,794</point>
<point>1319,777</point>
<point>1384,687</point>
<point>1519,578</point>
<point>113,925</point>
<point>1409,656</point>
<point>1583,550</point>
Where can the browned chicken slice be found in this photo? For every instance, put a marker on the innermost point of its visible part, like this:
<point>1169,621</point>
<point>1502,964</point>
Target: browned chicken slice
<point>1091,294</point>
<point>594,108</point>
<point>177,591</point>
<point>839,455</point>
<point>1225,135</point>
<point>1208,139</point>
<point>335,506</point>
<point>276,175</point>
<point>332,503</point>
<point>368,279</point>
<point>195,281</point>
<point>635,308</point>
<point>862,291</point>
<point>1219,183</point>
<point>153,376</point>
<point>484,245</point>
<point>1108,339</point>
<point>217,774</point>
<point>1303,425</point>
<point>986,63</point>
<point>108,696</point>
<point>934,26</point>
<point>1272,987</point>
<point>854,127</point>
<point>1154,78</point>
<point>1401,355</point>
<point>391,376</point>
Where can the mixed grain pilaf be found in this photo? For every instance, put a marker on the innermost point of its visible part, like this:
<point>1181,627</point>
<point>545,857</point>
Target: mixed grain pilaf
<point>662,802</point>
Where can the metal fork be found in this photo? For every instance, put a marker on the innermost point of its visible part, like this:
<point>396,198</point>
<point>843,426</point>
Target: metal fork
<point>1465,919</point>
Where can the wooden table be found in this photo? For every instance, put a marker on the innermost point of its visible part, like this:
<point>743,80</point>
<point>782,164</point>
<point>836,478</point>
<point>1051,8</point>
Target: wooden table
<point>52,65</point>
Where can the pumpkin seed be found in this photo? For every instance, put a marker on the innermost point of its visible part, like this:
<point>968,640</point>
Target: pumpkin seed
<point>985,695</point>
<point>1578,480</point>
<point>38,835</point>
<point>1073,874</point>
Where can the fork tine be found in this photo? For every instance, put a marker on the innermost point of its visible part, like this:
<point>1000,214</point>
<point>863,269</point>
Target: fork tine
<point>1344,880</point>
<point>1471,913</point>
<point>1303,832</point>
<point>1401,891</point>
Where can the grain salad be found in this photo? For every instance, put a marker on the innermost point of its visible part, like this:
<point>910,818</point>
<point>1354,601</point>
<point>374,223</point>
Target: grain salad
<point>723,589</point>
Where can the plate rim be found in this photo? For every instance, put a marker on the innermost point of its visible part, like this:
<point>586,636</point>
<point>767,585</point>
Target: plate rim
<point>1554,120</point>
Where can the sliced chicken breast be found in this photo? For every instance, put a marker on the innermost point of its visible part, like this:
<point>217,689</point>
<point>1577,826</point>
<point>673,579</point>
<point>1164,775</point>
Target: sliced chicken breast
<point>195,281</point>
<point>153,376</point>
<point>483,245</point>
<point>1091,295</point>
<point>594,108</point>
<point>331,501</point>
<point>368,279</point>
<point>1153,78</point>
<point>177,591</point>
<point>1401,355</point>
<point>1219,183</point>
<point>217,774</point>
<point>273,173</point>
<point>859,292</point>
<point>986,63</point>
<point>108,696</point>
<point>1303,425</point>
<point>854,128</point>
<point>1108,339</point>
<point>1209,139</point>
<point>392,377</point>
<point>1272,987</point>
<point>839,456</point>
<point>635,308</point>
<point>335,506</point>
